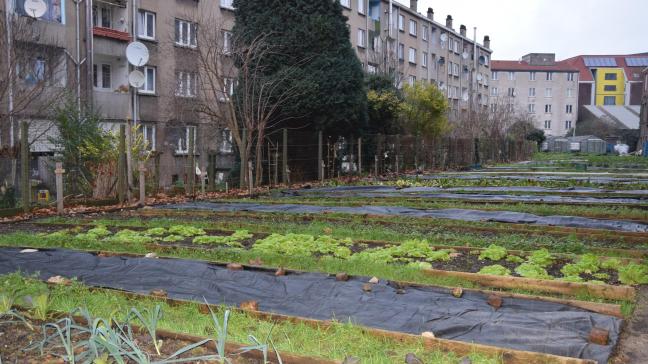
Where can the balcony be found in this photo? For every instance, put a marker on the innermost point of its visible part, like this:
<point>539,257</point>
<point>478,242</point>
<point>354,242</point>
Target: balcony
<point>111,33</point>
<point>112,105</point>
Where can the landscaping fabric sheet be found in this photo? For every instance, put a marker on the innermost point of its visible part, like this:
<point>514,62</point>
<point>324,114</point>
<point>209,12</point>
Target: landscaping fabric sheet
<point>599,179</point>
<point>483,189</point>
<point>518,324</point>
<point>452,214</point>
<point>393,192</point>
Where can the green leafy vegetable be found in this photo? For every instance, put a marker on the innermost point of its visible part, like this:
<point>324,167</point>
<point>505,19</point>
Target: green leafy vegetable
<point>496,270</point>
<point>493,252</point>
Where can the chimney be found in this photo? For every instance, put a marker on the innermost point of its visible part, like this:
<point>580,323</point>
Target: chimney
<point>487,41</point>
<point>462,30</point>
<point>414,5</point>
<point>430,14</point>
<point>449,22</point>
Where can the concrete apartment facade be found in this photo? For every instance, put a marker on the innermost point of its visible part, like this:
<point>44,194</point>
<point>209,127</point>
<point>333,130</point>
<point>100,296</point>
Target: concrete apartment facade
<point>391,37</point>
<point>386,34</point>
<point>541,87</point>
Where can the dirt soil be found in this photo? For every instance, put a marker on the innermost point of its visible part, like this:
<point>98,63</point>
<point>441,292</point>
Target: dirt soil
<point>16,337</point>
<point>633,346</point>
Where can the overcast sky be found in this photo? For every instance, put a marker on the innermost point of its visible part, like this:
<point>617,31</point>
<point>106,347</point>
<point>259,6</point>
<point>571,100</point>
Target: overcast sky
<point>565,27</point>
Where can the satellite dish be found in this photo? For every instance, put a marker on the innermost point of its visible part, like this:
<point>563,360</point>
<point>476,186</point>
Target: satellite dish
<point>136,79</point>
<point>35,8</point>
<point>465,97</point>
<point>465,55</point>
<point>482,60</point>
<point>137,54</point>
<point>444,37</point>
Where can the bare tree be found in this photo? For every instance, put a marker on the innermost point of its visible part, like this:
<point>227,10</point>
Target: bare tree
<point>238,93</point>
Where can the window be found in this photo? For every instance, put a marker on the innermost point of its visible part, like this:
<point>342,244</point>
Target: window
<point>569,109</point>
<point>226,141</point>
<point>229,4</point>
<point>609,88</point>
<point>531,108</point>
<point>401,51</point>
<point>493,108</point>
<point>532,76</point>
<point>570,77</point>
<point>362,37</point>
<point>412,27</point>
<point>227,42</point>
<point>532,92</point>
<point>361,6</point>
<point>346,3</point>
<point>146,25</point>
<point>547,124</point>
<point>511,92</point>
<point>547,92</point>
<point>401,22</point>
<point>549,76</point>
<point>101,77</point>
<point>568,124</point>
<point>570,92</point>
<point>511,76</point>
<point>412,55</point>
<point>494,91</point>
<point>228,88</point>
<point>149,81</point>
<point>609,100</point>
<point>494,76</point>
<point>610,76</point>
<point>186,33</point>
<point>186,84</point>
<point>411,80</point>
<point>102,16</point>
<point>371,69</point>
<point>548,109</point>
<point>148,132</point>
<point>424,30</point>
<point>424,59</point>
<point>183,140</point>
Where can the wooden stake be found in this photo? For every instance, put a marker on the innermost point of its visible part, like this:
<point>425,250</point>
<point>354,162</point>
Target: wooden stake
<point>142,184</point>
<point>59,187</point>
<point>25,185</point>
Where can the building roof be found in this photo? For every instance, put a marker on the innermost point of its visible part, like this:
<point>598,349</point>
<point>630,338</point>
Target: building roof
<point>631,64</point>
<point>525,66</point>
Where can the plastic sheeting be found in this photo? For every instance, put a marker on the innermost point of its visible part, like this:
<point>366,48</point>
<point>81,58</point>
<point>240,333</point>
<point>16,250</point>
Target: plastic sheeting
<point>599,179</point>
<point>519,324</point>
<point>529,189</point>
<point>452,214</point>
<point>392,192</point>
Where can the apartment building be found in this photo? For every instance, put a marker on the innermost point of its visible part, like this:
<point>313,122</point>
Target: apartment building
<point>643,119</point>
<point>541,87</point>
<point>393,38</point>
<point>163,106</point>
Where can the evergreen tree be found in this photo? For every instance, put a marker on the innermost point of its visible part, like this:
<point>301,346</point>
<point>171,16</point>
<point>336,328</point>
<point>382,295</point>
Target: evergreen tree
<point>312,35</point>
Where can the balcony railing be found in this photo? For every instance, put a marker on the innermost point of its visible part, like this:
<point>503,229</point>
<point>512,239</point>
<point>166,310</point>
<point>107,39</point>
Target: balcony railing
<point>111,105</point>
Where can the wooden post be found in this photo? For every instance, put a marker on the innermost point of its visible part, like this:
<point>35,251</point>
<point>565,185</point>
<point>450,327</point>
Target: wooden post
<point>359,156</point>
<point>397,165</point>
<point>244,158</point>
<point>121,165</point>
<point>156,183</point>
<point>376,172</point>
<point>191,164</point>
<point>25,186</point>
<point>398,151</point>
<point>142,184</point>
<point>285,157</point>
<point>322,169</point>
<point>59,187</point>
<point>276,168</point>
<point>211,172</point>
<point>203,174</point>
<point>250,180</point>
<point>320,155</point>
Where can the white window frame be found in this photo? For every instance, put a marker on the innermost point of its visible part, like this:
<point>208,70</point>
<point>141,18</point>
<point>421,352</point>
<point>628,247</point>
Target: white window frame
<point>494,91</point>
<point>362,38</point>
<point>511,92</point>
<point>227,41</point>
<point>401,51</point>
<point>495,75</point>
<point>184,149</point>
<point>98,74</point>
<point>149,132</point>
<point>146,89</point>
<point>143,22</point>
<point>511,76</point>
<point>361,7</point>
<point>424,59</point>
<point>98,12</point>
<point>532,76</point>
<point>570,76</point>
<point>425,29</point>
<point>401,22</point>
<point>532,92</point>
<point>569,109</point>
<point>531,108</point>
<point>186,84</point>
<point>346,3</point>
<point>411,80</point>
<point>568,124</point>
<point>226,144</point>
<point>227,4</point>
<point>412,55</point>
<point>548,92</point>
<point>186,33</point>
<point>549,76</point>
<point>413,27</point>
<point>547,124</point>
<point>548,108</point>
<point>371,69</point>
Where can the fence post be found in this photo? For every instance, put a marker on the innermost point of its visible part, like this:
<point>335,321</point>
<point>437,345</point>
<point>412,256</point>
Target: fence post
<point>156,172</point>
<point>477,154</point>
<point>121,165</point>
<point>211,172</point>
<point>397,165</point>
<point>359,156</point>
<point>250,181</point>
<point>191,165</point>
<point>284,159</point>
<point>59,187</point>
<point>323,166</point>
<point>24,166</point>
<point>244,158</point>
<point>203,174</point>
<point>320,154</point>
<point>376,166</point>
<point>142,184</point>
